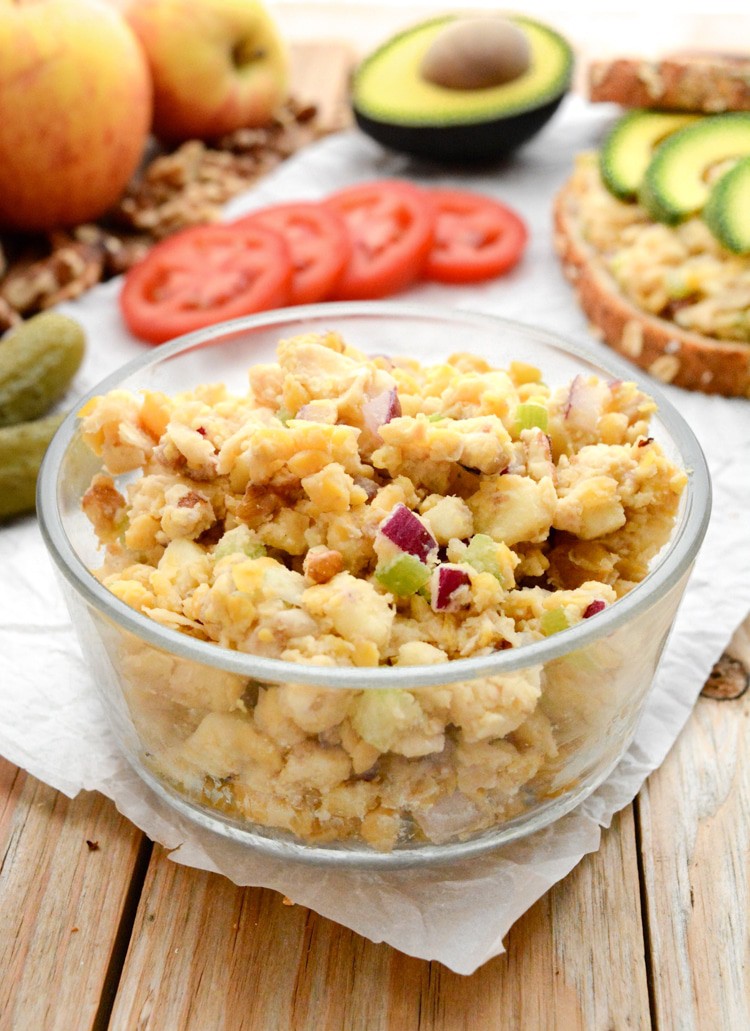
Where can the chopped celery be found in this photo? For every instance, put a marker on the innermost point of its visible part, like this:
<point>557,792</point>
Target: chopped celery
<point>403,575</point>
<point>239,540</point>
<point>284,415</point>
<point>553,621</point>
<point>436,417</point>
<point>531,414</point>
<point>481,555</point>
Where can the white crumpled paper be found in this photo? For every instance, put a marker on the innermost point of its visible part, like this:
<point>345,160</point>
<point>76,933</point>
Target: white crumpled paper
<point>53,725</point>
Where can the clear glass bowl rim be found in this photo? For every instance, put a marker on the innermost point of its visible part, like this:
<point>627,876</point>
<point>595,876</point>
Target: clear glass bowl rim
<point>670,568</point>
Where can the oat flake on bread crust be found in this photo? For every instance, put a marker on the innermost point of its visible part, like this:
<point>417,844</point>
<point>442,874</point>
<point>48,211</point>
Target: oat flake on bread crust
<point>709,83</point>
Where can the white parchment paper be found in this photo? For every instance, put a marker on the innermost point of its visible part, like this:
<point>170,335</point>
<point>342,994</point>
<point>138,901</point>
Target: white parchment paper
<point>52,723</point>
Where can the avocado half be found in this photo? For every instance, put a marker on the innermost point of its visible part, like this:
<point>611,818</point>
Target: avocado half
<point>396,106</point>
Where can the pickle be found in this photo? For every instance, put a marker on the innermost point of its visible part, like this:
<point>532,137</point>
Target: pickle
<point>38,359</point>
<point>22,449</point>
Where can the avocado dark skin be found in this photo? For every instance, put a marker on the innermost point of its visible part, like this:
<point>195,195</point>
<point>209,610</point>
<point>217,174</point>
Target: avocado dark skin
<point>479,143</point>
<point>407,111</point>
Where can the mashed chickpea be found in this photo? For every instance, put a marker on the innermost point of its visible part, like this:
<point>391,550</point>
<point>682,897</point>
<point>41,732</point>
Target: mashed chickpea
<point>355,511</point>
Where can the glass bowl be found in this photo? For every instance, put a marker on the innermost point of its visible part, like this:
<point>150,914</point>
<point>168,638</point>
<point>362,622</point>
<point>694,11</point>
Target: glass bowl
<point>177,704</point>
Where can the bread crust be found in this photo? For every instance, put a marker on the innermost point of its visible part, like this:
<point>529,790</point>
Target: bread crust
<point>710,83</point>
<point>665,350</point>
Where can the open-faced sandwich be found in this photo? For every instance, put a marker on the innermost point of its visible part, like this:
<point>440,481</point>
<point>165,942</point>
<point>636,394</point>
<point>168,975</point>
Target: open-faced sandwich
<point>654,229</point>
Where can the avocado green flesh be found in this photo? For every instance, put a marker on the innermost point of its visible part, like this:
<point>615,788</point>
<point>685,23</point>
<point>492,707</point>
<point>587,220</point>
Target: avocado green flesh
<point>727,212</point>
<point>676,183</point>
<point>629,147</point>
<point>389,88</point>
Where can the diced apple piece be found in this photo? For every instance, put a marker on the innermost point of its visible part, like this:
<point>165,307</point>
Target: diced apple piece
<point>447,593</point>
<point>408,533</point>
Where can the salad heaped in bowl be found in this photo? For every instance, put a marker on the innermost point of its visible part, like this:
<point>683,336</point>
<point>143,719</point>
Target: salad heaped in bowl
<point>367,515</point>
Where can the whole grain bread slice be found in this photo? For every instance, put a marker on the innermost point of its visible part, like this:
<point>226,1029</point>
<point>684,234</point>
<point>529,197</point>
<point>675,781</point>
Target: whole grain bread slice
<point>664,349</point>
<point>708,83</point>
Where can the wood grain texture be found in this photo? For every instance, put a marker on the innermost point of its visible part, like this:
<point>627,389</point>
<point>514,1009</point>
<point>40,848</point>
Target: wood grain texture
<point>207,954</point>
<point>61,901</point>
<point>320,75</point>
<point>574,962</point>
<point>695,838</point>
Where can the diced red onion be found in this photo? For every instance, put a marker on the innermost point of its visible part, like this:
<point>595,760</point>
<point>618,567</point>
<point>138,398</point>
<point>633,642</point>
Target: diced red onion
<point>408,533</point>
<point>379,410</point>
<point>584,405</point>
<point>311,413</point>
<point>594,607</point>
<point>446,581</point>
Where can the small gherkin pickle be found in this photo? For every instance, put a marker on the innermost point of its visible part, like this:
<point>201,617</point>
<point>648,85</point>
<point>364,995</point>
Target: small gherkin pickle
<point>38,359</point>
<point>22,449</point>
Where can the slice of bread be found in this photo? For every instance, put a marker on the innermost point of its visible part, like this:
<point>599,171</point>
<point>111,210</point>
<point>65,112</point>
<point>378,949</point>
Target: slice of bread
<point>704,82</point>
<point>667,351</point>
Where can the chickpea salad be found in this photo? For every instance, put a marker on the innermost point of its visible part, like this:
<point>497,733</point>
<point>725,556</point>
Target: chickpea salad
<point>355,510</point>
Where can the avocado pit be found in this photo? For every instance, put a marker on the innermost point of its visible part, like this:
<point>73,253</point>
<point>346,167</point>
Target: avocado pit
<point>476,53</point>
<point>462,90</point>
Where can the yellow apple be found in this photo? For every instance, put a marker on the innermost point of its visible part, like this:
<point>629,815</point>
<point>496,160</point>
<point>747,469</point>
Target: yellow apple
<point>217,65</point>
<point>75,111</point>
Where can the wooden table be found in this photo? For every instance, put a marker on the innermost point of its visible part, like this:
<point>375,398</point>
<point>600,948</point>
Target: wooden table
<point>98,928</point>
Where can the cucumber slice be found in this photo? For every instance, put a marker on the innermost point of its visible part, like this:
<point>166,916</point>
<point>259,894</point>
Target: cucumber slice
<point>629,147</point>
<point>676,184</point>
<point>727,212</point>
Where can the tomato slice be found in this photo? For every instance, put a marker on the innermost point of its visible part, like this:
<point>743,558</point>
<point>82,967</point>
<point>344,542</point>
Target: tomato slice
<point>476,237</point>
<point>390,224</point>
<point>318,243</point>
<point>204,275</point>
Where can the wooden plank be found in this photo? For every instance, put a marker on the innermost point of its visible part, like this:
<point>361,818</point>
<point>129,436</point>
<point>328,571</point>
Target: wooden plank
<point>205,953</point>
<point>61,901</point>
<point>574,962</point>
<point>320,75</point>
<point>695,837</point>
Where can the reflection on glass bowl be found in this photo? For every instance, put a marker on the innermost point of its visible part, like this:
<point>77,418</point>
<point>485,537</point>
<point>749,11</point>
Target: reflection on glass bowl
<point>344,751</point>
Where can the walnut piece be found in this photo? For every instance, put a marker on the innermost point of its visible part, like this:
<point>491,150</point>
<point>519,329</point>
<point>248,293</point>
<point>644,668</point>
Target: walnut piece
<point>183,188</point>
<point>321,564</point>
<point>72,268</point>
<point>727,680</point>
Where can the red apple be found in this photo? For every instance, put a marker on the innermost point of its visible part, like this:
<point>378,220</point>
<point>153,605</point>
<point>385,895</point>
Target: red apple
<point>217,65</point>
<point>75,111</point>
